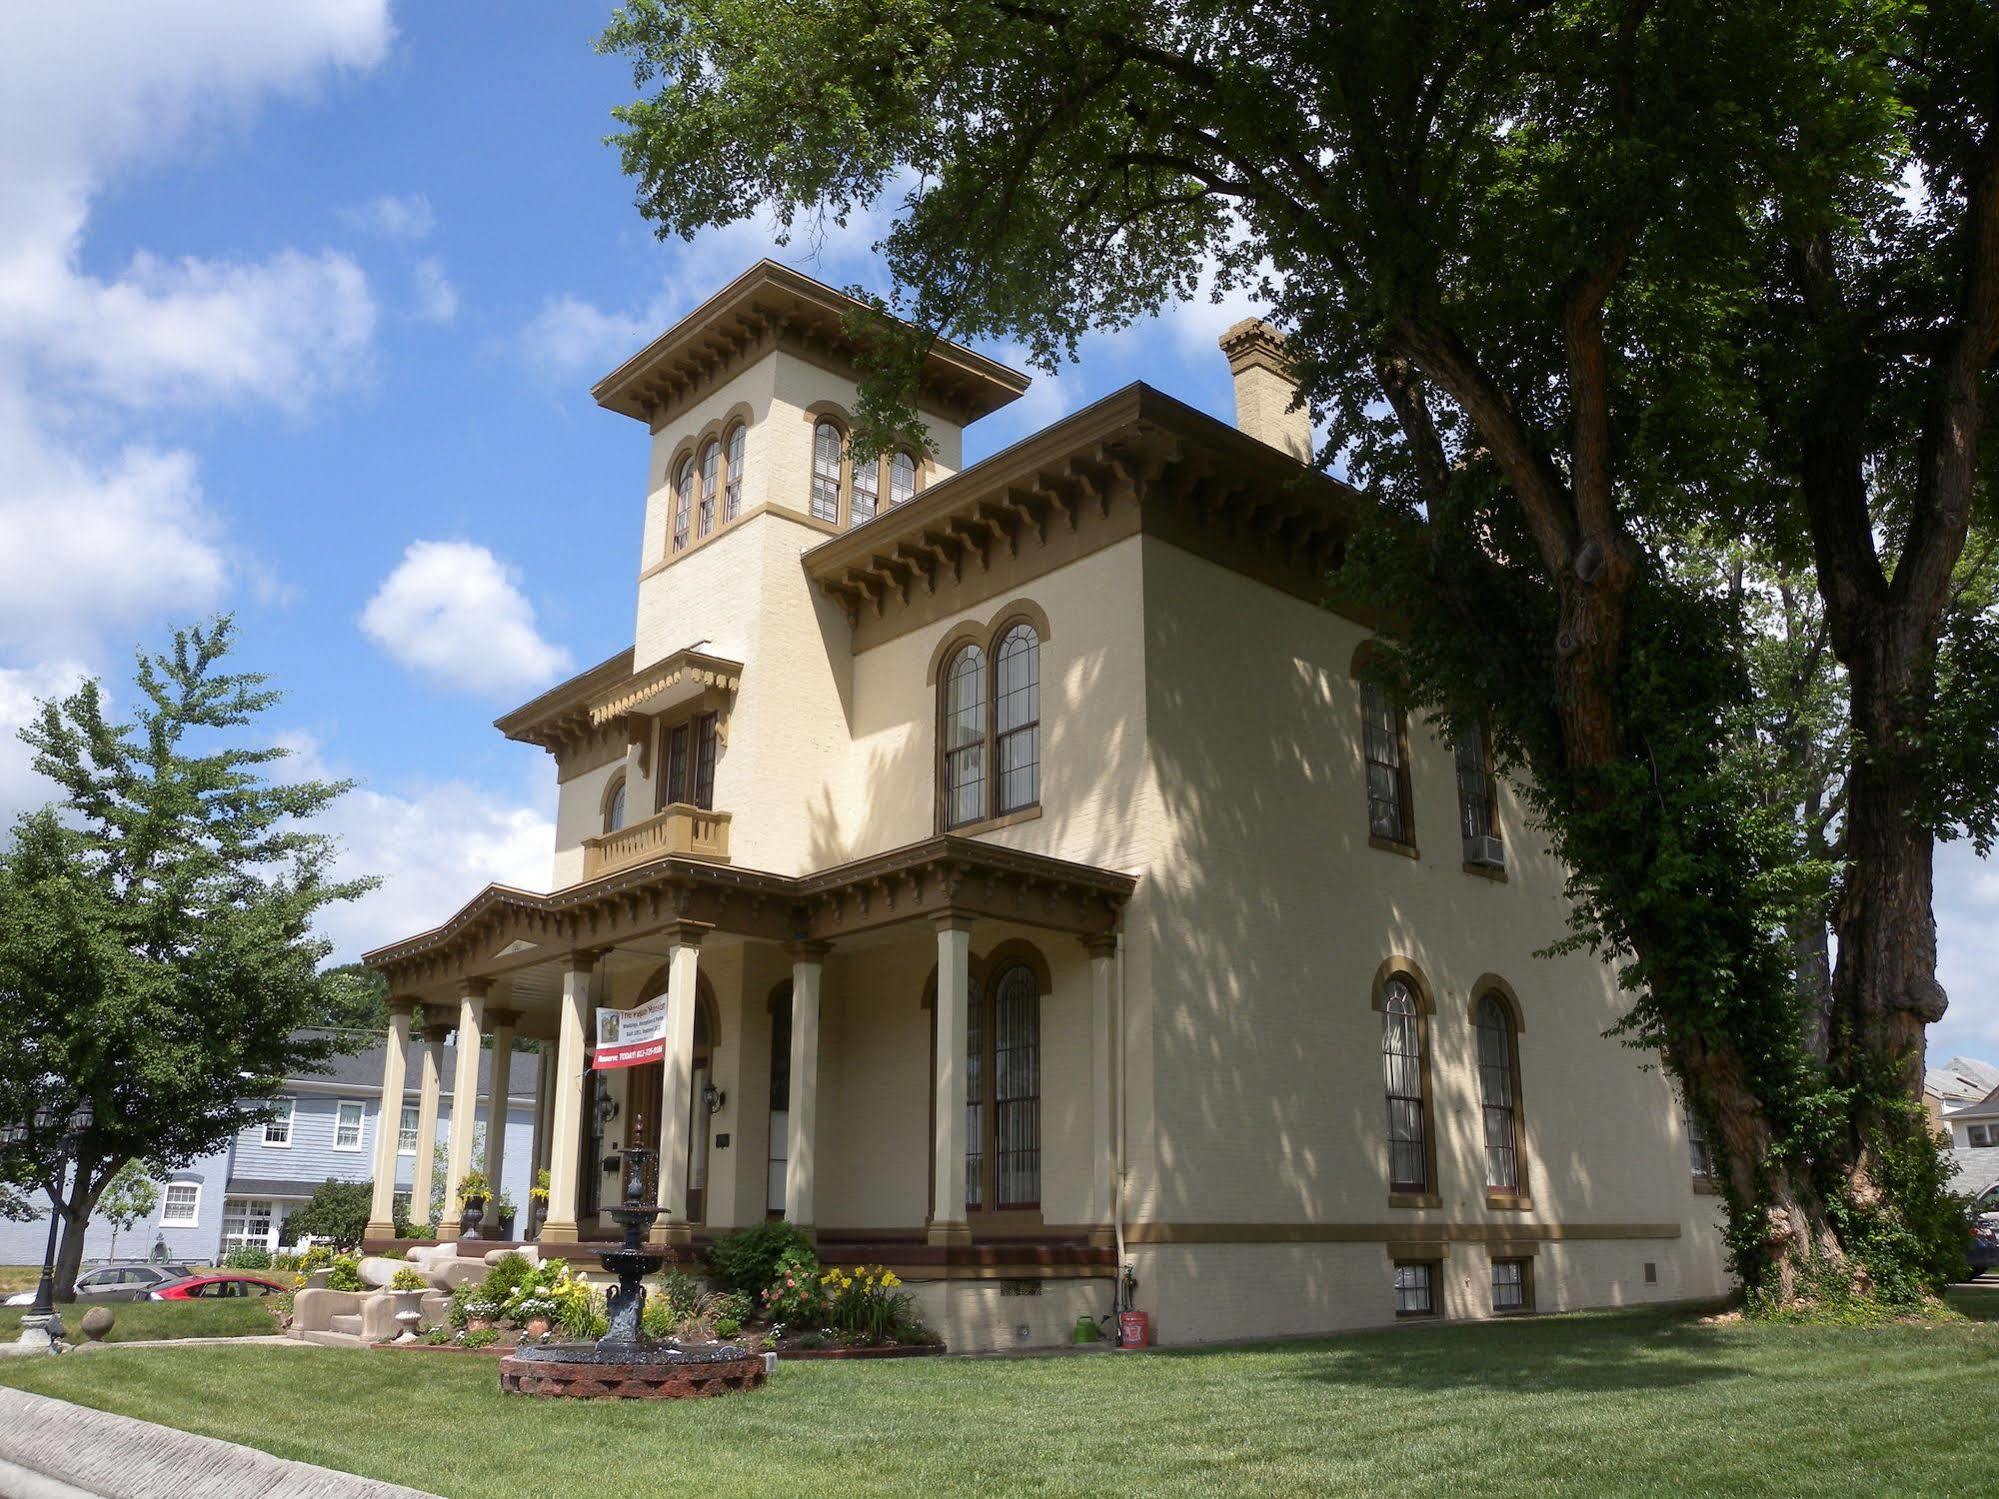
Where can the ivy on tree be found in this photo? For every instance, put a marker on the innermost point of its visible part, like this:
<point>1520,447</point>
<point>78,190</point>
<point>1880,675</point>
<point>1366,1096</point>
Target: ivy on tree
<point>156,948</point>
<point>1573,281</point>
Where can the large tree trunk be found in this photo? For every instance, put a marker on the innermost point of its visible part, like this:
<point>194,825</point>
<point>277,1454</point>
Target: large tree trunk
<point>74,1211</point>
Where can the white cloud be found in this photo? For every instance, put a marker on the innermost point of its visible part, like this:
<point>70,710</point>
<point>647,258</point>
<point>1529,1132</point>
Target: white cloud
<point>20,689</point>
<point>393,216</point>
<point>436,297</point>
<point>570,336</point>
<point>87,544</point>
<point>455,613</point>
<point>434,845</point>
<point>99,526</point>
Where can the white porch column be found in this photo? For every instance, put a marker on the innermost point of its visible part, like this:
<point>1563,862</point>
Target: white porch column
<point>802,1119</point>
<point>1102,949</point>
<point>464,1100</point>
<point>565,1130</point>
<point>389,1122</point>
<point>954,987</point>
<point>426,1121</point>
<point>676,1101</point>
<point>502,1023</point>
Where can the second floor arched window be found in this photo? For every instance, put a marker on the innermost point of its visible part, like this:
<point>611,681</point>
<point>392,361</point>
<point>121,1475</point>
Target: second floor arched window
<point>964,737</point>
<point>1385,748</point>
<point>614,805</point>
<point>1017,719</point>
<point>901,478</point>
<point>732,501</point>
<point>989,727</point>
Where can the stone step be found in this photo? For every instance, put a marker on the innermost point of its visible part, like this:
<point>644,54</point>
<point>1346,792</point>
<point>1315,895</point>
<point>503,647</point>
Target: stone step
<point>331,1339</point>
<point>347,1322</point>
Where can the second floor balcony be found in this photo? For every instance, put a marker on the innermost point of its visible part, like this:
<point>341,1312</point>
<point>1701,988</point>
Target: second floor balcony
<point>680,829</point>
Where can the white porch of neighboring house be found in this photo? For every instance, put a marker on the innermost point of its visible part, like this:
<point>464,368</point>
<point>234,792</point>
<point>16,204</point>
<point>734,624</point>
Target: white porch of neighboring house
<point>909,1056</point>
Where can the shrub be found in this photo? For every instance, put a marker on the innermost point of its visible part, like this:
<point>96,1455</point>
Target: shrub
<point>346,1274</point>
<point>337,1212</point>
<point>747,1259</point>
<point>480,1337</point>
<point>407,1278</point>
<point>473,1184</point>
<point>537,1292</point>
<point>507,1272</point>
<point>317,1257</point>
<point>249,1257</point>
<point>579,1308</point>
<point>794,1295</point>
<point>727,1327</point>
<point>869,1305</point>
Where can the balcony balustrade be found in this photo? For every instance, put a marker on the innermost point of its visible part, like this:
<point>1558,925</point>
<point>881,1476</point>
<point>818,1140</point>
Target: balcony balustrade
<point>681,829</point>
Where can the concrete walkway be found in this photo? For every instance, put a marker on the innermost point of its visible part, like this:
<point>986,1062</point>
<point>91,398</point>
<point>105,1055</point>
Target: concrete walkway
<point>50,1449</point>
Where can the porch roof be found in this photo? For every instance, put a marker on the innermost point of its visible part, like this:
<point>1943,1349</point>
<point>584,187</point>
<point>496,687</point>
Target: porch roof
<point>503,930</point>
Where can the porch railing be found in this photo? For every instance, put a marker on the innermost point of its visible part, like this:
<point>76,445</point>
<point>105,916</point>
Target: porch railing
<point>680,829</point>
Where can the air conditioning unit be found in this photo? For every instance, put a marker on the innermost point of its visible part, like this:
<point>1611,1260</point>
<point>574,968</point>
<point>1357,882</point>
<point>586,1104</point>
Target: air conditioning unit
<point>1485,850</point>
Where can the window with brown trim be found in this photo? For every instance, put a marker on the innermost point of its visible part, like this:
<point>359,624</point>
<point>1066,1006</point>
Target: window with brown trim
<point>989,728</point>
<point>1478,800</point>
<point>711,473</point>
<point>865,493</point>
<point>1700,1154</point>
<point>1386,750</point>
<point>964,737</point>
<point>683,501</point>
<point>901,478</point>
<point>614,805</point>
<point>732,490</point>
<point>1402,1064</point>
<point>688,750</point>
<point>828,444</point>
<point>1512,1285</point>
<point>1415,1288</point>
<point>1003,1091</point>
<point>1499,1094</point>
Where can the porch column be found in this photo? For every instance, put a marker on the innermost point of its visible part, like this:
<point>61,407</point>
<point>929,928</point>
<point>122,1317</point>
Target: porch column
<point>503,1023</point>
<point>802,1119</point>
<point>1102,949</point>
<point>389,1121</point>
<point>566,1099</point>
<point>676,1102</point>
<point>954,988</point>
<point>464,1098</point>
<point>426,1120</point>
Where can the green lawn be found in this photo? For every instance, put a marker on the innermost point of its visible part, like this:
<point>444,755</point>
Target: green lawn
<point>137,1321</point>
<point>1627,1403</point>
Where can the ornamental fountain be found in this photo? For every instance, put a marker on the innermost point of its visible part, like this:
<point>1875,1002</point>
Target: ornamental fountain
<point>625,1364</point>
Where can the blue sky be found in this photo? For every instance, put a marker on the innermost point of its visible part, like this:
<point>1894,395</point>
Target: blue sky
<point>299,308</point>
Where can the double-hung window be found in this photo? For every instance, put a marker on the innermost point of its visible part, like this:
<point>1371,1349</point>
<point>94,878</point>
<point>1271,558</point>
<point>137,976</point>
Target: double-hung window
<point>347,1124</point>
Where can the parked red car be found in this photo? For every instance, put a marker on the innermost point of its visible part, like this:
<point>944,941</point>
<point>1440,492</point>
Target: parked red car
<point>212,1287</point>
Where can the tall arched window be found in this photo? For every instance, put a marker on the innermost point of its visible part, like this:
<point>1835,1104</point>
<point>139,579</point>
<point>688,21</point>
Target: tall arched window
<point>711,470</point>
<point>964,737</point>
<point>1498,1094</point>
<point>732,502</point>
<point>614,806</point>
<point>1402,1064</point>
<point>683,502</point>
<point>901,478</point>
<point>1016,1087</point>
<point>1017,718</point>
<point>866,497</point>
<point>827,444</point>
<point>1386,752</point>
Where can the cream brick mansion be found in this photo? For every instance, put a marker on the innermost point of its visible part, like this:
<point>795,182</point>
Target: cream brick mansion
<point>1034,889</point>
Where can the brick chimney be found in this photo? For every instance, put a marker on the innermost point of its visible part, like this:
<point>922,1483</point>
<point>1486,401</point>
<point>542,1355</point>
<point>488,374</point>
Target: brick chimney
<point>1264,388</point>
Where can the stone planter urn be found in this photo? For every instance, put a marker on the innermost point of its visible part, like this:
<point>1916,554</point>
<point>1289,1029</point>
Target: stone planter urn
<point>468,1222</point>
<point>408,1314</point>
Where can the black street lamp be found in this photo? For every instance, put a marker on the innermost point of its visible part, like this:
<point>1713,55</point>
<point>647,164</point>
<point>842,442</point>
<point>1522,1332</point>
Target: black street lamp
<point>40,1324</point>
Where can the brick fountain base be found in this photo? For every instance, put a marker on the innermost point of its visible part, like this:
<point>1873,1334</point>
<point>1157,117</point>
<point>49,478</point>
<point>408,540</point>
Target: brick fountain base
<point>690,1376</point>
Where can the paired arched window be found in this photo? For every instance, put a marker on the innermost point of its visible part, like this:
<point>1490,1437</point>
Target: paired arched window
<point>1406,1074</point>
<point>614,805</point>
<point>989,721</point>
<point>1499,1092</point>
<point>708,486</point>
<point>846,493</point>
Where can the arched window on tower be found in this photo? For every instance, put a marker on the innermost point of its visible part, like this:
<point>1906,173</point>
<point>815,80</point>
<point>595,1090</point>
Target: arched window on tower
<point>711,473</point>
<point>1402,1065</point>
<point>732,501</point>
<point>683,502</point>
<point>827,445</point>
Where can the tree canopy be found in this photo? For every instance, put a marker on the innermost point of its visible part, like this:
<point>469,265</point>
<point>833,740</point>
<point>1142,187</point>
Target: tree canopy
<point>1581,285</point>
<point>157,957</point>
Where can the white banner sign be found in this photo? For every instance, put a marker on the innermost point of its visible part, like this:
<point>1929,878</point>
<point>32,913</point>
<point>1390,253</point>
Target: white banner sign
<point>629,1038</point>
